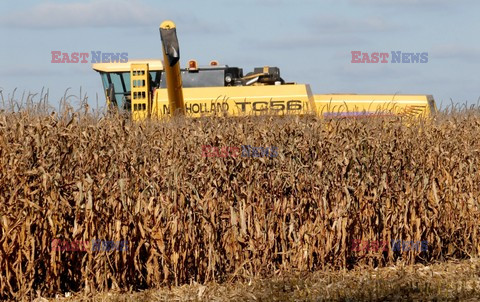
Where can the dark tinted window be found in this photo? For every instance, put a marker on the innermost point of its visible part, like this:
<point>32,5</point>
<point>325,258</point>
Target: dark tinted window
<point>202,78</point>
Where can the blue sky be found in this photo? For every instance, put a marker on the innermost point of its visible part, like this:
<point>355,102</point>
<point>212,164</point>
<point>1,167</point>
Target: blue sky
<point>311,41</point>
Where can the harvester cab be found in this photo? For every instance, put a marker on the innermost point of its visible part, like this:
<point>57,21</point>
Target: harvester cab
<point>116,80</point>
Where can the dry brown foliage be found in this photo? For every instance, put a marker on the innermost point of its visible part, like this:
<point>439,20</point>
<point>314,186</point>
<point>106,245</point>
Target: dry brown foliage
<point>190,218</point>
<point>445,281</point>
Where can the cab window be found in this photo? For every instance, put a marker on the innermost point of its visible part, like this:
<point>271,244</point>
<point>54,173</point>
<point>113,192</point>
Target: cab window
<point>121,83</point>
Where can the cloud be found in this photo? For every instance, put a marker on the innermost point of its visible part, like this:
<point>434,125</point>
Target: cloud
<point>44,71</point>
<point>94,13</point>
<point>272,3</point>
<point>307,41</point>
<point>347,25</point>
<point>194,25</point>
<point>104,14</point>
<point>371,71</point>
<point>330,31</point>
<point>267,2</point>
<point>415,5</point>
<point>453,51</point>
<point>402,2</point>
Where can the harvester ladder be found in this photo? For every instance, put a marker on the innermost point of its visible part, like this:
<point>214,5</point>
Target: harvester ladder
<point>140,94</point>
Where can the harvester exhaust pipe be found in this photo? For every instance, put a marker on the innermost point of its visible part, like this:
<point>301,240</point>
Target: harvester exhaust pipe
<point>171,57</point>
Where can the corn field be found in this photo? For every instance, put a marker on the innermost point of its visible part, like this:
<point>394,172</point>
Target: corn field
<point>76,177</point>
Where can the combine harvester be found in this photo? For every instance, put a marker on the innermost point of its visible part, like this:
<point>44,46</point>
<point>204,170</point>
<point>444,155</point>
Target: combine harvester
<point>152,89</point>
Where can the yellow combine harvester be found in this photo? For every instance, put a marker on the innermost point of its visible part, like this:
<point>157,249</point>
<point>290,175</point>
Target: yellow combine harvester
<point>152,89</point>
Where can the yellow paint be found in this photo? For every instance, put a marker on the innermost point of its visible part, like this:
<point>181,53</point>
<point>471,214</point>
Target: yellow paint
<point>240,100</point>
<point>154,65</point>
<point>383,104</point>
<point>140,94</point>
<point>172,73</point>
<point>168,24</point>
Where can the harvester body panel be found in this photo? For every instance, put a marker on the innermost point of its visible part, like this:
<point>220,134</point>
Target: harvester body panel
<point>365,105</point>
<point>240,100</point>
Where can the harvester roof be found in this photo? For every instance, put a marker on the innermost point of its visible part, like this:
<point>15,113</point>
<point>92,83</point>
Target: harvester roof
<point>153,65</point>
